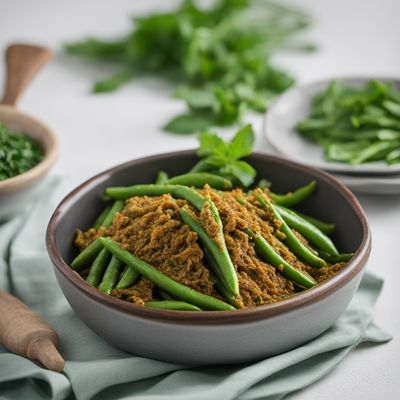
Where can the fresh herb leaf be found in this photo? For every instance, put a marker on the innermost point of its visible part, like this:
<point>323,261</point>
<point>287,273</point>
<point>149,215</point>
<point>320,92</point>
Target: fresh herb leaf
<point>112,83</point>
<point>211,144</point>
<point>220,53</point>
<point>242,143</point>
<point>242,171</point>
<point>189,123</point>
<point>224,158</point>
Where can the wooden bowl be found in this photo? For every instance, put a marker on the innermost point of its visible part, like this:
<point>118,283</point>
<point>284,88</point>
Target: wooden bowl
<point>23,62</point>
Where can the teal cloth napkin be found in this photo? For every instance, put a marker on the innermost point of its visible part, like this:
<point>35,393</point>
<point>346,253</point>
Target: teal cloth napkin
<point>95,369</point>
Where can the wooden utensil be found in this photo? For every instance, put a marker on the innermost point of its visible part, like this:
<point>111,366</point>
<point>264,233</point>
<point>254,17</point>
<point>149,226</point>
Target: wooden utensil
<point>25,333</point>
<point>22,63</point>
<point>21,330</point>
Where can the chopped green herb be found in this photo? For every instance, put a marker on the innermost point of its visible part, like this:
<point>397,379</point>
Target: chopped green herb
<point>356,125</point>
<point>218,56</point>
<point>18,153</point>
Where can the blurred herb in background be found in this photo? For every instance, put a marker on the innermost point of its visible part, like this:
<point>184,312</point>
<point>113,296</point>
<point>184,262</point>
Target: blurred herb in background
<point>218,57</point>
<point>356,124</point>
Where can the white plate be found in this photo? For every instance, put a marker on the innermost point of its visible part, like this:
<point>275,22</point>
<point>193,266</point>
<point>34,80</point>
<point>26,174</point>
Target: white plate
<point>372,185</point>
<point>292,107</point>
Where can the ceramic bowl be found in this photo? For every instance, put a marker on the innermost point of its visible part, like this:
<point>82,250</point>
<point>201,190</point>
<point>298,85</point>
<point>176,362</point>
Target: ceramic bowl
<point>211,337</point>
<point>15,192</point>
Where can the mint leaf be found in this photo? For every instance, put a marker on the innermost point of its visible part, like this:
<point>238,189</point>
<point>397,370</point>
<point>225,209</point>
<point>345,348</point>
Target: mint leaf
<point>113,83</point>
<point>221,52</point>
<point>211,144</point>
<point>242,143</point>
<point>242,171</point>
<point>189,123</point>
<point>223,158</point>
<point>196,98</point>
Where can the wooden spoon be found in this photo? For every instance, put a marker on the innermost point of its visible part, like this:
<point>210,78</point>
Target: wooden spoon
<point>26,334</point>
<point>22,63</point>
<point>21,330</point>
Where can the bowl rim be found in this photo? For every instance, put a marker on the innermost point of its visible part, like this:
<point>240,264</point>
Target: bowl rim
<point>50,154</point>
<point>215,318</point>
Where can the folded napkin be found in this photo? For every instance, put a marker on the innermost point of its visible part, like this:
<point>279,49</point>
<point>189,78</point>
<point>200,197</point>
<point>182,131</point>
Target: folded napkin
<point>95,369</point>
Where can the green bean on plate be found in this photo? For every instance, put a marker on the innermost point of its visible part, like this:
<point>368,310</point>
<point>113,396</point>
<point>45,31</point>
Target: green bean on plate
<point>356,125</point>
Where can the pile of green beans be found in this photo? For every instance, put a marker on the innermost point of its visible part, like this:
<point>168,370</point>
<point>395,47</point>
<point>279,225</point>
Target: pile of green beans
<point>225,268</point>
<point>113,267</point>
<point>175,289</point>
<point>268,254</point>
<point>105,270</point>
<point>291,240</point>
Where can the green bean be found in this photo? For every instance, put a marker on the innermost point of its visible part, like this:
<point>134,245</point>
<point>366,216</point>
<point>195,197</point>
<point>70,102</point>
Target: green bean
<point>164,282</point>
<point>218,251</point>
<point>97,269</point>
<point>177,191</point>
<point>335,258</point>
<point>325,227</point>
<point>200,179</point>
<point>375,151</point>
<point>240,201</point>
<point>100,219</point>
<point>111,275</point>
<point>393,157</point>
<point>164,295</point>
<point>90,253</point>
<point>292,241</point>
<point>263,183</point>
<point>202,166</point>
<point>292,198</point>
<point>118,206</point>
<point>172,305</point>
<point>268,254</point>
<point>308,230</point>
<point>86,256</point>
<point>129,277</point>
<point>162,178</point>
<point>229,297</point>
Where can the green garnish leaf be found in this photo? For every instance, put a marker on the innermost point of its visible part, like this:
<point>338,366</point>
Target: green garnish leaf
<point>112,83</point>
<point>221,54</point>
<point>224,158</point>
<point>189,123</point>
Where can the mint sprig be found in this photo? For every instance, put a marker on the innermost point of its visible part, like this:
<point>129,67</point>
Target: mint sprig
<point>225,158</point>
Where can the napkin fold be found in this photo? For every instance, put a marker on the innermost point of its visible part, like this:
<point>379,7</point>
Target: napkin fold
<point>95,369</point>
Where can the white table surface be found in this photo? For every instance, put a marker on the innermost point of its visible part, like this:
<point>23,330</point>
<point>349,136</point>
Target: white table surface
<point>359,37</point>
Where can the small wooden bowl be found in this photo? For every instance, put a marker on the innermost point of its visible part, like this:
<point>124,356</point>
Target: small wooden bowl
<point>23,61</point>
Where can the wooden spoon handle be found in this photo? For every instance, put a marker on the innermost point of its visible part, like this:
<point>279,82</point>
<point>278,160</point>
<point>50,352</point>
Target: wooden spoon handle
<point>22,63</point>
<point>25,333</point>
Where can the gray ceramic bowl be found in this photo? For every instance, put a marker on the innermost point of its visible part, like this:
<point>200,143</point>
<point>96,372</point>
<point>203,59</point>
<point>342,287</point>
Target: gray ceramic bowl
<point>212,337</point>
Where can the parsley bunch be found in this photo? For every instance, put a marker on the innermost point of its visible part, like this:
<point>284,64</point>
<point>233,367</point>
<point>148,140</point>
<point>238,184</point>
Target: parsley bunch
<point>18,153</point>
<point>218,57</point>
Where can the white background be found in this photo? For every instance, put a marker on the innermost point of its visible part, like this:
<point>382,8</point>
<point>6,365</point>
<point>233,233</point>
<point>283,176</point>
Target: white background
<point>355,37</point>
